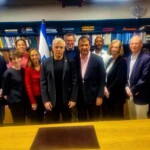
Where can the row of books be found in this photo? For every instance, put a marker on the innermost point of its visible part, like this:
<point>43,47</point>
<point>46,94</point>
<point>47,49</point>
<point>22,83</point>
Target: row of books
<point>104,29</point>
<point>33,41</point>
<point>123,37</point>
<point>16,31</point>
<point>9,42</point>
<point>79,29</point>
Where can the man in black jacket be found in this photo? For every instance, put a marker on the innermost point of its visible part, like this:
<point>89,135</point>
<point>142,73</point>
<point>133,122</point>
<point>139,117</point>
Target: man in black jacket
<point>58,83</point>
<point>2,69</point>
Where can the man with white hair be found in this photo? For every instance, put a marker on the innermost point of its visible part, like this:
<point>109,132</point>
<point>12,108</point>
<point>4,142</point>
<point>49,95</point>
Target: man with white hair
<point>138,87</point>
<point>58,83</point>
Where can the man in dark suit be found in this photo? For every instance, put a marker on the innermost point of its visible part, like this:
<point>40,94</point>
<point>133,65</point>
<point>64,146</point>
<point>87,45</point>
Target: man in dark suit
<point>2,103</point>
<point>91,81</point>
<point>138,78</point>
<point>70,50</point>
<point>58,83</point>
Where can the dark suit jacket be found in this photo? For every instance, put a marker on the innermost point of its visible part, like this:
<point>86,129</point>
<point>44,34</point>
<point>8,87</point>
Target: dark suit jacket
<point>3,67</point>
<point>13,85</point>
<point>92,86</point>
<point>116,81</point>
<point>140,79</point>
<point>69,81</point>
<point>73,54</point>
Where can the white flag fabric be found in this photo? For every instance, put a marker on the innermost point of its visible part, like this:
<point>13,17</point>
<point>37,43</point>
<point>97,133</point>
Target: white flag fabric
<point>43,46</point>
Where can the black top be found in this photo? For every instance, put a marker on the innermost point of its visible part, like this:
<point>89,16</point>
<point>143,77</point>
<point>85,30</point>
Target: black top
<point>58,72</point>
<point>69,81</point>
<point>116,80</point>
<point>3,67</point>
<point>13,85</point>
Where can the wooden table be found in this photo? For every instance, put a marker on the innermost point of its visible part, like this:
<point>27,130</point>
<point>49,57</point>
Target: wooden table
<point>112,135</point>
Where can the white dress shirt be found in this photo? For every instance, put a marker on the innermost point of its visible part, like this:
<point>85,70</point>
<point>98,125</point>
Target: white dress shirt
<point>132,62</point>
<point>104,55</point>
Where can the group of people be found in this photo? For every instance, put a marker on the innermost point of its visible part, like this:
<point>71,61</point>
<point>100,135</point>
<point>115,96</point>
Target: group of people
<point>21,84</point>
<point>76,83</point>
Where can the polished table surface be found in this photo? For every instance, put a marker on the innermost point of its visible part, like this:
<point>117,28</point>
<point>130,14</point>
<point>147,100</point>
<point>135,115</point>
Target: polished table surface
<point>111,135</point>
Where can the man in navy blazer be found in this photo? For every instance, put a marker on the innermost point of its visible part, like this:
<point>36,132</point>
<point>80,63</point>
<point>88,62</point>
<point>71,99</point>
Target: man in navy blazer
<point>58,83</point>
<point>139,78</point>
<point>91,74</point>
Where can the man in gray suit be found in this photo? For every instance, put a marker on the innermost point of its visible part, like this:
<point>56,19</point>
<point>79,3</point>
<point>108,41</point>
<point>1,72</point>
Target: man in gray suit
<point>58,83</point>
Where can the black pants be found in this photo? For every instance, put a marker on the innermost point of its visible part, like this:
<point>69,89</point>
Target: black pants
<point>112,110</point>
<point>3,102</point>
<point>27,104</point>
<point>54,115</point>
<point>37,116</point>
<point>2,113</point>
<point>18,112</point>
<point>87,112</point>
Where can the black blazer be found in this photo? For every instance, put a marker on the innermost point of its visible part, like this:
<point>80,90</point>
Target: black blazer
<point>69,81</point>
<point>140,79</point>
<point>92,86</point>
<point>116,80</point>
<point>3,67</point>
<point>13,85</point>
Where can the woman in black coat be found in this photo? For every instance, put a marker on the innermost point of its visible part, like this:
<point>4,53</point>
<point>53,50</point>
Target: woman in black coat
<point>116,75</point>
<point>13,88</point>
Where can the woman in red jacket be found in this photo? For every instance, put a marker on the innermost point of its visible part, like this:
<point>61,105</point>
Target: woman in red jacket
<point>32,82</point>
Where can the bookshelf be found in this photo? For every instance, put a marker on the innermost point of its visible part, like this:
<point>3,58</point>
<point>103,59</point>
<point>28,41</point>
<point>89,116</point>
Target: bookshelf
<point>122,29</point>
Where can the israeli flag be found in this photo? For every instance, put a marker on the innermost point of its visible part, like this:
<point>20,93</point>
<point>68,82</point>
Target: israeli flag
<point>43,46</point>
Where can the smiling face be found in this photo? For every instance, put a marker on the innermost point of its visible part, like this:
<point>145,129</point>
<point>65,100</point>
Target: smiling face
<point>99,43</point>
<point>58,49</point>
<point>70,41</point>
<point>34,57</point>
<point>21,46</point>
<point>136,44</point>
<point>16,62</point>
<point>115,49</point>
<point>84,47</point>
<point>16,58</point>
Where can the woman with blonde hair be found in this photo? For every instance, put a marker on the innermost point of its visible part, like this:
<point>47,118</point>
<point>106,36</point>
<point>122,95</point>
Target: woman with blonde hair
<point>32,82</point>
<point>116,75</point>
